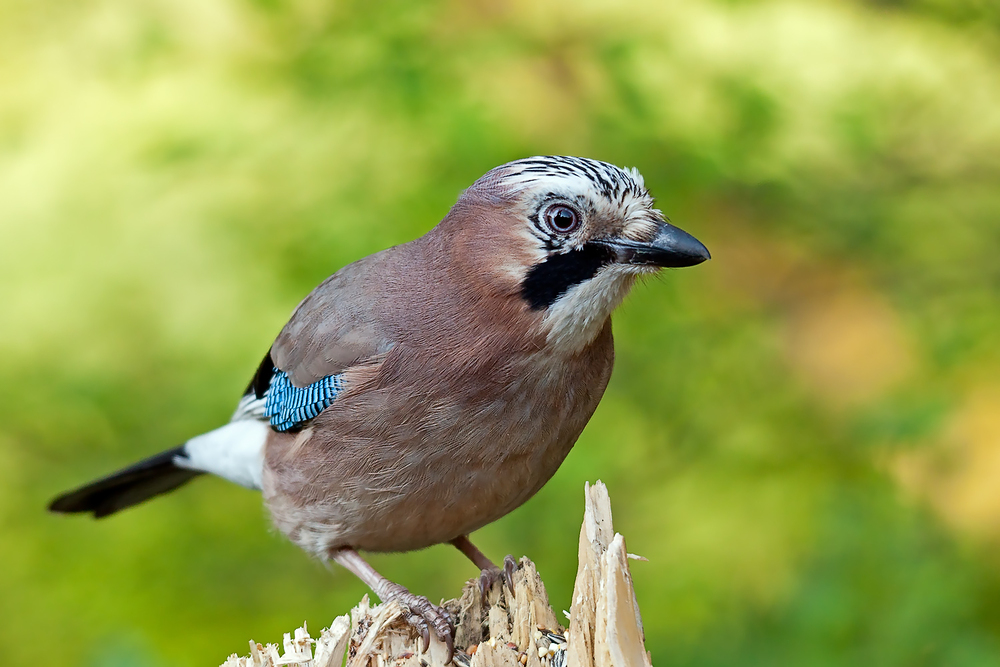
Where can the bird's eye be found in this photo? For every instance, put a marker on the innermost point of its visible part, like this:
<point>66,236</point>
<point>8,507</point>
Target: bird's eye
<point>562,219</point>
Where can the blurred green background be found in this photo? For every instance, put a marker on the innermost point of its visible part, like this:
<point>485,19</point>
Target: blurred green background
<point>802,436</point>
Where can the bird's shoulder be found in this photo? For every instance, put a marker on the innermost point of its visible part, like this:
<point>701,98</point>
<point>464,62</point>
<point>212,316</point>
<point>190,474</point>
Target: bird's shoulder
<point>349,318</point>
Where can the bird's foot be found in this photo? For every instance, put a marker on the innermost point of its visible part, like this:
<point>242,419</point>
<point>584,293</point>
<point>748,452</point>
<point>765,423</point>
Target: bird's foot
<point>492,574</point>
<point>423,615</point>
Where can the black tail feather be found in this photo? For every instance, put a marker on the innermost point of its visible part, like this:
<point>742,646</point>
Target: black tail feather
<point>131,486</point>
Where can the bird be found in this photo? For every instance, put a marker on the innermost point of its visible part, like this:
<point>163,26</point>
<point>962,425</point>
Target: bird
<point>432,387</point>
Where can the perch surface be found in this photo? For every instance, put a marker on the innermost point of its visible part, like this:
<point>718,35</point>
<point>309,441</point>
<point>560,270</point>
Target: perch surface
<point>513,629</point>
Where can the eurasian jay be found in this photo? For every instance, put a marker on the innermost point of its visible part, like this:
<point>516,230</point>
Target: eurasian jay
<point>426,390</point>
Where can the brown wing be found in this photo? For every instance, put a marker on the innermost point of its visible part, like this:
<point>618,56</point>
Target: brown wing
<point>337,326</point>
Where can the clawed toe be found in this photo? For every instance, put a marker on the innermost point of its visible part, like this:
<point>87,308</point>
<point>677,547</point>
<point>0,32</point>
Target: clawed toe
<point>491,575</point>
<point>420,625</point>
<point>423,616</point>
<point>509,567</point>
<point>486,580</point>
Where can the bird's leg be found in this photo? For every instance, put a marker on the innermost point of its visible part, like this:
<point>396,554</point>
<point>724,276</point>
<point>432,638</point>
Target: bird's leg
<point>422,612</point>
<point>489,573</point>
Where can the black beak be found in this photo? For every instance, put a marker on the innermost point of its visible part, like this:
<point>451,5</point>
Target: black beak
<point>672,247</point>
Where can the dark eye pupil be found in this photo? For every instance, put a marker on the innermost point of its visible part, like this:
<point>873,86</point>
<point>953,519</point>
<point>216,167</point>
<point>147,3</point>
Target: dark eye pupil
<point>562,219</point>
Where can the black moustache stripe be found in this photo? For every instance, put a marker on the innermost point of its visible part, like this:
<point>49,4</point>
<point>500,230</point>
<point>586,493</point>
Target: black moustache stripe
<point>551,278</point>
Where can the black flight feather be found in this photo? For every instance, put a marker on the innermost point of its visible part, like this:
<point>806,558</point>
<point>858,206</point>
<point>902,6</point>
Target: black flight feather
<point>129,486</point>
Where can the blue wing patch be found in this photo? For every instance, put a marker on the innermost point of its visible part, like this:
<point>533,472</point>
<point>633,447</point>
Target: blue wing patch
<point>288,406</point>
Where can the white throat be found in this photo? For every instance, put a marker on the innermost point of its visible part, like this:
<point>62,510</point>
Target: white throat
<point>577,317</point>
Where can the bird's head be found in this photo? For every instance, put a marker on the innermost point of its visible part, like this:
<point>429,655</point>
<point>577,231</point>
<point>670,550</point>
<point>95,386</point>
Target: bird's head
<point>569,236</point>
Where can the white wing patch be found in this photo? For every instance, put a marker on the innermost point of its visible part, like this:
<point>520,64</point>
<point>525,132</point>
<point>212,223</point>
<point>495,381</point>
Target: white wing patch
<point>250,407</point>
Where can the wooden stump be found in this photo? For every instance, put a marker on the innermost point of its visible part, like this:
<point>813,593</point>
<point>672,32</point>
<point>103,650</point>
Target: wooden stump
<point>515,628</point>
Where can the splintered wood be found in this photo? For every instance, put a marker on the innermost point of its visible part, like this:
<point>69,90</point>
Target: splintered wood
<point>513,629</point>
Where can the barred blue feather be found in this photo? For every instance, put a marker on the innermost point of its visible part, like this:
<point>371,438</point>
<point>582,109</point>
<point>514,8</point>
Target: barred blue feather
<point>288,406</point>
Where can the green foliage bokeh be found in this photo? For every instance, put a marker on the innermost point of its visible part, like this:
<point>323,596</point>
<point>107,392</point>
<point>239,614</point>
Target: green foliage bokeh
<point>802,436</point>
